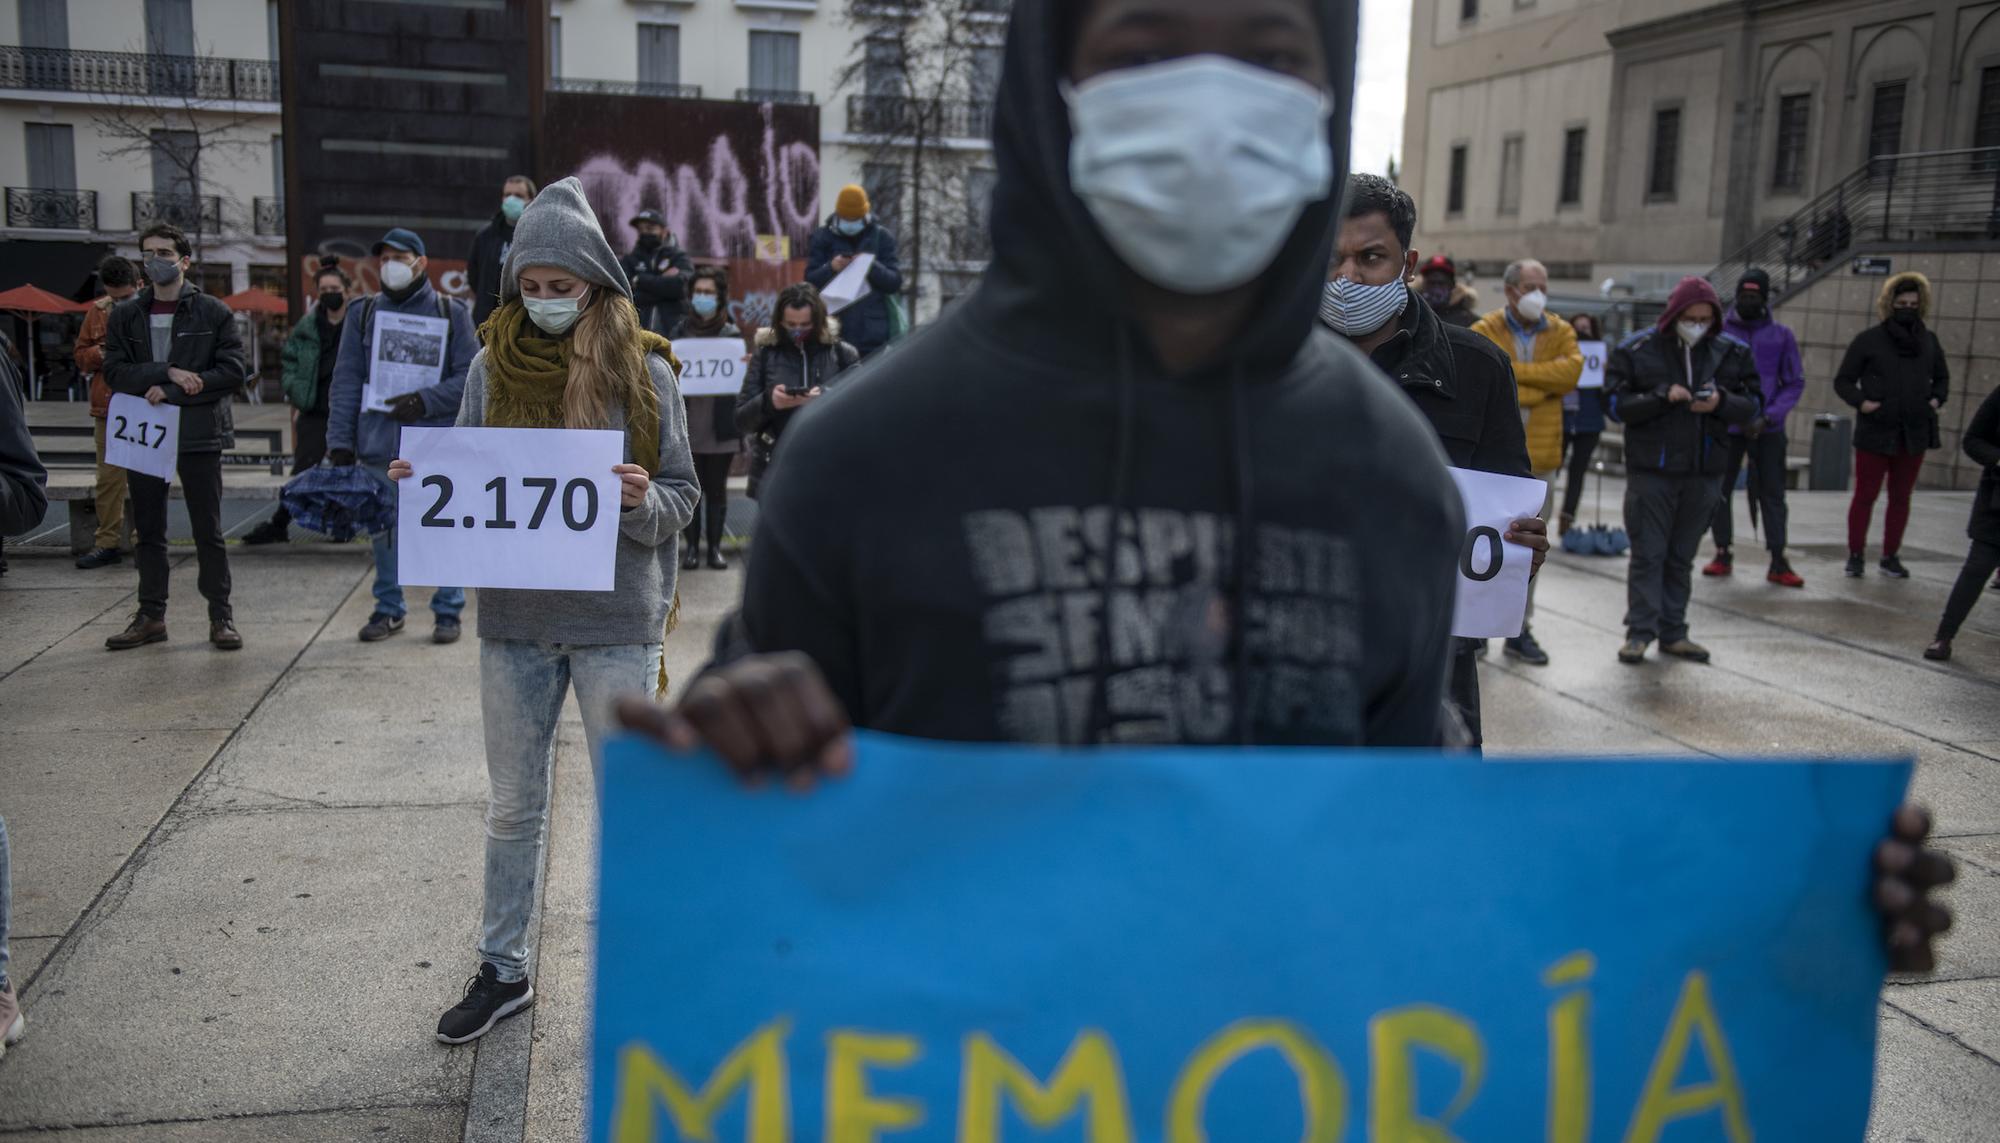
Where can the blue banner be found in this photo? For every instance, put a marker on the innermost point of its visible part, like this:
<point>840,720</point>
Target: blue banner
<point>995,943</point>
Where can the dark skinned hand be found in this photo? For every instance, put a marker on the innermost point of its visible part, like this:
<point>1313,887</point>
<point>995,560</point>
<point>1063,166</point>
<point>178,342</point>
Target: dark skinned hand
<point>407,408</point>
<point>766,716</point>
<point>1905,873</point>
<point>1531,532</point>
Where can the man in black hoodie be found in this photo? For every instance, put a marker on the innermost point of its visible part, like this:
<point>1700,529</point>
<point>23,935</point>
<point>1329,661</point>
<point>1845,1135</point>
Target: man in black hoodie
<point>660,272</point>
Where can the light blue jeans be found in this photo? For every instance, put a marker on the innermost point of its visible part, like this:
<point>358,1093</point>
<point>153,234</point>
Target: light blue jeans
<point>521,690</point>
<point>446,602</point>
<point>6,903</point>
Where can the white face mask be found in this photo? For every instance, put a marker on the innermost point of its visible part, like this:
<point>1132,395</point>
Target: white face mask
<point>1197,169</point>
<point>1691,331</point>
<point>1358,310</point>
<point>397,275</point>
<point>555,315</point>
<point>1531,304</point>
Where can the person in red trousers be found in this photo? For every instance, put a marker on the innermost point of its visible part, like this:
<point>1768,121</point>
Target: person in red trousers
<point>1895,376</point>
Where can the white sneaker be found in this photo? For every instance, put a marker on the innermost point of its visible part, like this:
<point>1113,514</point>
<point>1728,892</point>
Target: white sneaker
<point>13,1025</point>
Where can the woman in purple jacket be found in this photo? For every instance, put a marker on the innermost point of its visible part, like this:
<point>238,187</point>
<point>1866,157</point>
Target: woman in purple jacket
<point>1762,441</point>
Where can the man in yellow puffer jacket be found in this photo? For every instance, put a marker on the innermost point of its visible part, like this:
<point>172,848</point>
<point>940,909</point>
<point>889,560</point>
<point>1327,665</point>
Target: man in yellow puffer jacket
<point>1547,365</point>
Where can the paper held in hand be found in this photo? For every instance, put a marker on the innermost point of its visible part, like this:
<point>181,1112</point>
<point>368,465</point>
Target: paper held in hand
<point>710,366</point>
<point>1493,574</point>
<point>521,508</point>
<point>142,437</point>
<point>408,355</point>
<point>1593,364</point>
<point>850,286</point>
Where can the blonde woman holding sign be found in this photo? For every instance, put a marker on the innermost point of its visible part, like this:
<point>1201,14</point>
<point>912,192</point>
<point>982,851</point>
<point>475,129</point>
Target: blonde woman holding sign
<point>564,351</point>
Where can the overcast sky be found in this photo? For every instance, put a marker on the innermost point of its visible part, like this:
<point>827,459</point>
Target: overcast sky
<point>1384,59</point>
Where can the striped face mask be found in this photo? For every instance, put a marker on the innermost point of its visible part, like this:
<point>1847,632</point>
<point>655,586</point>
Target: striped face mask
<point>1357,310</point>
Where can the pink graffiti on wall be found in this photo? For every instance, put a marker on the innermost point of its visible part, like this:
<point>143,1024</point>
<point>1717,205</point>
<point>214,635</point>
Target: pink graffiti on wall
<point>709,209</point>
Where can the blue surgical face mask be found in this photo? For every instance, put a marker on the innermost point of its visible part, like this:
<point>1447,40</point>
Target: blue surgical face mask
<point>850,226</point>
<point>555,315</point>
<point>704,305</point>
<point>1357,310</point>
<point>512,206</point>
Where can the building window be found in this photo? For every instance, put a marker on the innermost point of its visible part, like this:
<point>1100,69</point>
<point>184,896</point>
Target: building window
<point>271,26</point>
<point>45,24</point>
<point>51,156</point>
<point>774,61</point>
<point>1468,11</point>
<point>1885,120</point>
<point>1664,165</point>
<point>884,184</point>
<point>985,79</point>
<point>1788,170</point>
<point>660,54</point>
<point>1986,124</point>
<point>170,27</point>
<point>174,171</point>
<point>882,73</point>
<point>1510,174</point>
<point>1454,195</point>
<point>1571,193</point>
<point>278,166</point>
<point>555,47</point>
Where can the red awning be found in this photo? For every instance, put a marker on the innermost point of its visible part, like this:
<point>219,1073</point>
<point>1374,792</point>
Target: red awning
<point>256,301</point>
<point>35,300</point>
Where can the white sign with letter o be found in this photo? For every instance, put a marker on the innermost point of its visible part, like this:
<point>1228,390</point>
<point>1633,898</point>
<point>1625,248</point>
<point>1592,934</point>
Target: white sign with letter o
<point>711,366</point>
<point>142,437</point>
<point>1593,364</point>
<point>521,508</point>
<point>1492,573</point>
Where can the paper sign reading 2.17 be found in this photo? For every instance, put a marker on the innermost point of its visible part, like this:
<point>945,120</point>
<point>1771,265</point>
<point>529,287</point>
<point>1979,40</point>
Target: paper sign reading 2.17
<point>521,508</point>
<point>711,366</point>
<point>142,437</point>
<point>1492,573</point>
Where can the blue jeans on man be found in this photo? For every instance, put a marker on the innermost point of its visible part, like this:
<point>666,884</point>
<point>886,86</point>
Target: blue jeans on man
<point>446,602</point>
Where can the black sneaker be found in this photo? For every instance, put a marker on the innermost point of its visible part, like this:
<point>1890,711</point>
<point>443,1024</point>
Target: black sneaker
<point>99,558</point>
<point>1893,568</point>
<point>1855,566</point>
<point>380,626</point>
<point>486,1003</point>
<point>446,630</point>
<point>690,558</point>
<point>1524,648</point>
<point>269,532</point>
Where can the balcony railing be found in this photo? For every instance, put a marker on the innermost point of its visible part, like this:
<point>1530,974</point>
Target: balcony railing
<point>34,209</point>
<point>193,213</point>
<point>898,116</point>
<point>772,95</point>
<point>620,87</point>
<point>267,216</point>
<point>138,73</point>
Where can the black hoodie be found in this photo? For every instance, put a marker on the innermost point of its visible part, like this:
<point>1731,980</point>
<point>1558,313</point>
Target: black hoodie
<point>934,536</point>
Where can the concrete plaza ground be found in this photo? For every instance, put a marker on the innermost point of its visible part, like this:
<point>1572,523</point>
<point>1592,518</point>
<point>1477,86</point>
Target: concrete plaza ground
<point>245,885</point>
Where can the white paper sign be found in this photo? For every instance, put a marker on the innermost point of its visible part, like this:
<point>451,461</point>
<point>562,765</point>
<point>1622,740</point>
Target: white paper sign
<point>851,286</point>
<point>1593,364</point>
<point>1493,574</point>
<point>524,508</point>
<point>141,437</point>
<point>711,366</point>
<point>408,355</point>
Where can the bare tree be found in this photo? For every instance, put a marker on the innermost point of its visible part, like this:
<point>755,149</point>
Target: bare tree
<point>919,87</point>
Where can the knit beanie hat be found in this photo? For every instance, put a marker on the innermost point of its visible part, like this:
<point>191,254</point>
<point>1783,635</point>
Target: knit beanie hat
<point>852,204</point>
<point>559,229</point>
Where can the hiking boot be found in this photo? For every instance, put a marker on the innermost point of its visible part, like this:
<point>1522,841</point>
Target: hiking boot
<point>269,532</point>
<point>1634,651</point>
<point>143,630</point>
<point>1939,651</point>
<point>1781,573</point>
<point>1685,648</point>
<point>1893,568</point>
<point>717,561</point>
<point>99,558</point>
<point>487,1002</point>
<point>447,629</point>
<point>690,558</point>
<point>1855,567</point>
<point>13,1025</point>
<point>222,633</point>
<point>1524,648</point>
<point>380,626</point>
<point>1723,564</point>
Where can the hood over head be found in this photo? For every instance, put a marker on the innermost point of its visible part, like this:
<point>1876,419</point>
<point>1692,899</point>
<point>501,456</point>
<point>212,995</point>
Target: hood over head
<point>1903,283</point>
<point>1052,269</point>
<point>1692,291</point>
<point>559,229</point>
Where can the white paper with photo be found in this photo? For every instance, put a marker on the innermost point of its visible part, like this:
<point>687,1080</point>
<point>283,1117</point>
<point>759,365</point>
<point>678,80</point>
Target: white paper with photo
<point>1593,364</point>
<point>142,437</point>
<point>408,355</point>
<point>1492,595</point>
<point>711,366</point>
<point>555,530</point>
<point>850,286</point>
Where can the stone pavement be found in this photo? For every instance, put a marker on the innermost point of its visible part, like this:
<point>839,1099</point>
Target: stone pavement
<point>245,885</point>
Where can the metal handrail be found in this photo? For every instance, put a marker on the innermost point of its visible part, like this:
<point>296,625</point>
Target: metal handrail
<point>772,95</point>
<point>267,216</point>
<point>626,87</point>
<point>1921,196</point>
<point>901,115</point>
<point>138,73</point>
<point>40,208</point>
<point>201,214</point>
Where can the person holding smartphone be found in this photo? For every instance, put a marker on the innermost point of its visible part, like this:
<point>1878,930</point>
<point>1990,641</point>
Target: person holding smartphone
<point>796,358</point>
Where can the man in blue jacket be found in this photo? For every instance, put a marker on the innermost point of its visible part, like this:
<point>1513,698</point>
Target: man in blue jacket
<point>370,435</point>
<point>852,230</point>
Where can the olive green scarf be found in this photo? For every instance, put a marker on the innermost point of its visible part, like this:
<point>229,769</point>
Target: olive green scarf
<point>527,372</point>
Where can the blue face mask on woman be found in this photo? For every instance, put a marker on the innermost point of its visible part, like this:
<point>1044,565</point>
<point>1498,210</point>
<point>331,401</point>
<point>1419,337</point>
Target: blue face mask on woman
<point>704,305</point>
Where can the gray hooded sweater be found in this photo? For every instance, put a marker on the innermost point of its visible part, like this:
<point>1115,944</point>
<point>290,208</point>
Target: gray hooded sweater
<point>559,229</point>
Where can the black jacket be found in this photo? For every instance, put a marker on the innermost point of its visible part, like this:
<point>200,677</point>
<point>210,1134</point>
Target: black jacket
<point>482,269</point>
<point>938,535</point>
<point>1904,371</point>
<point>1667,437</point>
<point>866,322</point>
<point>1982,443</point>
<point>658,294</point>
<point>774,365</point>
<point>24,497</point>
<point>205,341</point>
<point>1464,386</point>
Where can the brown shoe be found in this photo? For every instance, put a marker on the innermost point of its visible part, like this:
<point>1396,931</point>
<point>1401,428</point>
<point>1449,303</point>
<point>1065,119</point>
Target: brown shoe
<point>222,633</point>
<point>1684,648</point>
<point>144,629</point>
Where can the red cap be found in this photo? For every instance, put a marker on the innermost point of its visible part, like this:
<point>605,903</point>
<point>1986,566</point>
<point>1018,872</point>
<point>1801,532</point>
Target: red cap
<point>1439,262</point>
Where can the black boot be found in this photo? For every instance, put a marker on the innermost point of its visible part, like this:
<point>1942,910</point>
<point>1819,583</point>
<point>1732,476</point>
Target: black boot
<point>690,556</point>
